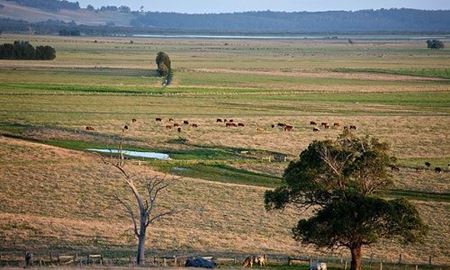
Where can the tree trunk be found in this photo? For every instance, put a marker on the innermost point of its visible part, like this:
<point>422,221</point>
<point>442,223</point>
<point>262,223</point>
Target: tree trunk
<point>140,259</point>
<point>356,258</point>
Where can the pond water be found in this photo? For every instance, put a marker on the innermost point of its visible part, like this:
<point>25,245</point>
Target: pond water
<point>130,153</point>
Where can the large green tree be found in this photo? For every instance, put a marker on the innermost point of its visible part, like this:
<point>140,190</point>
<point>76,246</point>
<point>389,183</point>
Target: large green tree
<point>343,180</point>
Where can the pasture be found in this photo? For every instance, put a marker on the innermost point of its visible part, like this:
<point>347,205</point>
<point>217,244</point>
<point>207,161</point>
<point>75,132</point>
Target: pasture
<point>56,195</point>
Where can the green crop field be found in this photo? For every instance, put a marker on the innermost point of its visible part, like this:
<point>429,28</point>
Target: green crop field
<point>57,195</point>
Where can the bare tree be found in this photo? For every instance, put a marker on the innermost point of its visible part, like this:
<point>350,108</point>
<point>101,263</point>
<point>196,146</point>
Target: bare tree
<point>144,211</point>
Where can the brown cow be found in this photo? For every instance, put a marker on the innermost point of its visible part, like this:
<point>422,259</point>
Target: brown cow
<point>125,127</point>
<point>316,129</point>
<point>186,122</point>
<point>90,128</point>
<point>133,120</point>
<point>194,125</point>
<point>241,125</point>
<point>231,120</point>
<point>158,119</point>
<point>336,125</point>
<point>288,128</point>
<point>312,123</point>
<point>324,124</point>
<point>273,126</point>
<point>353,127</point>
<point>170,119</point>
<point>281,124</point>
<point>231,125</point>
<point>168,127</point>
<point>176,125</point>
<point>248,262</point>
<point>219,120</point>
<point>179,129</point>
<point>438,170</point>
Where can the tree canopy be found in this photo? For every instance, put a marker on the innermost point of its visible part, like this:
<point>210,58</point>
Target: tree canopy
<point>343,180</point>
<point>23,50</point>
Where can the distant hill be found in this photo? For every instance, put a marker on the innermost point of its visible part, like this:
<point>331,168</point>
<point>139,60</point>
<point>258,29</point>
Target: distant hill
<point>392,20</point>
<point>364,21</point>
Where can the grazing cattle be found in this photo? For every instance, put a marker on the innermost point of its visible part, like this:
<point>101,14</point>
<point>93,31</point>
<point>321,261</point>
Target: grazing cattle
<point>288,128</point>
<point>231,125</point>
<point>248,262</point>
<point>353,127</point>
<point>133,120</point>
<point>179,129</point>
<point>168,127</point>
<point>326,126</point>
<point>125,127</point>
<point>318,266</point>
<point>345,127</point>
<point>241,125</point>
<point>312,123</point>
<point>90,128</point>
<point>225,120</point>
<point>281,124</point>
<point>394,168</point>
<point>418,169</point>
<point>316,130</point>
<point>438,170</point>
<point>176,125</point>
<point>428,164</point>
<point>336,125</point>
<point>186,122</point>
<point>194,125</point>
<point>273,126</point>
<point>323,124</point>
<point>219,120</point>
<point>260,260</point>
<point>158,119</point>
<point>170,119</point>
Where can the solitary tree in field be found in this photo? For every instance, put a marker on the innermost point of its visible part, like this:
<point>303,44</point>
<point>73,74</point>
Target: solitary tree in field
<point>435,44</point>
<point>342,180</point>
<point>145,192</point>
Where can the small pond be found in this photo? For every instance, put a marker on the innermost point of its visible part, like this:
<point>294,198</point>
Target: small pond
<point>130,153</point>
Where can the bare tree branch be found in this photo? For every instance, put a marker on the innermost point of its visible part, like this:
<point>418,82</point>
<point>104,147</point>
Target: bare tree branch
<point>130,211</point>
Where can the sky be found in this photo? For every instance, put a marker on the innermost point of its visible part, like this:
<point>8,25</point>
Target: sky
<point>217,6</point>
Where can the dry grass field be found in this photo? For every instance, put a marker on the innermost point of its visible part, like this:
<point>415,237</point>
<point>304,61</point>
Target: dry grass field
<point>56,195</point>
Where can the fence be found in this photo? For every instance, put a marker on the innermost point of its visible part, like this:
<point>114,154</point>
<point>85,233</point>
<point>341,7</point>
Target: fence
<point>53,259</point>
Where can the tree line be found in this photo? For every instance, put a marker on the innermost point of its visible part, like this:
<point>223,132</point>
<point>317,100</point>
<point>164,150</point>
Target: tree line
<point>23,50</point>
<point>383,20</point>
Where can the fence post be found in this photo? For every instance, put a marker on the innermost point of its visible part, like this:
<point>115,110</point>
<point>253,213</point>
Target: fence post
<point>175,260</point>
<point>381,265</point>
<point>417,267</point>
<point>345,265</point>
<point>429,260</point>
<point>400,258</point>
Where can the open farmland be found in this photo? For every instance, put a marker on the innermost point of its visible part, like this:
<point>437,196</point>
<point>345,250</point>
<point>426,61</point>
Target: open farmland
<point>57,195</point>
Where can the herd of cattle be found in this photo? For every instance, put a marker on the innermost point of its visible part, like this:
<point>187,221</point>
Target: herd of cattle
<point>231,123</point>
<point>170,124</point>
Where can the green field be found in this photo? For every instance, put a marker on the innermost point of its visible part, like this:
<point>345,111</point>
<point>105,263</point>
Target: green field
<point>396,90</point>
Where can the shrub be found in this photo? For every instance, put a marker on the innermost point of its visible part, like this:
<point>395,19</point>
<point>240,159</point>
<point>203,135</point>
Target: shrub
<point>435,44</point>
